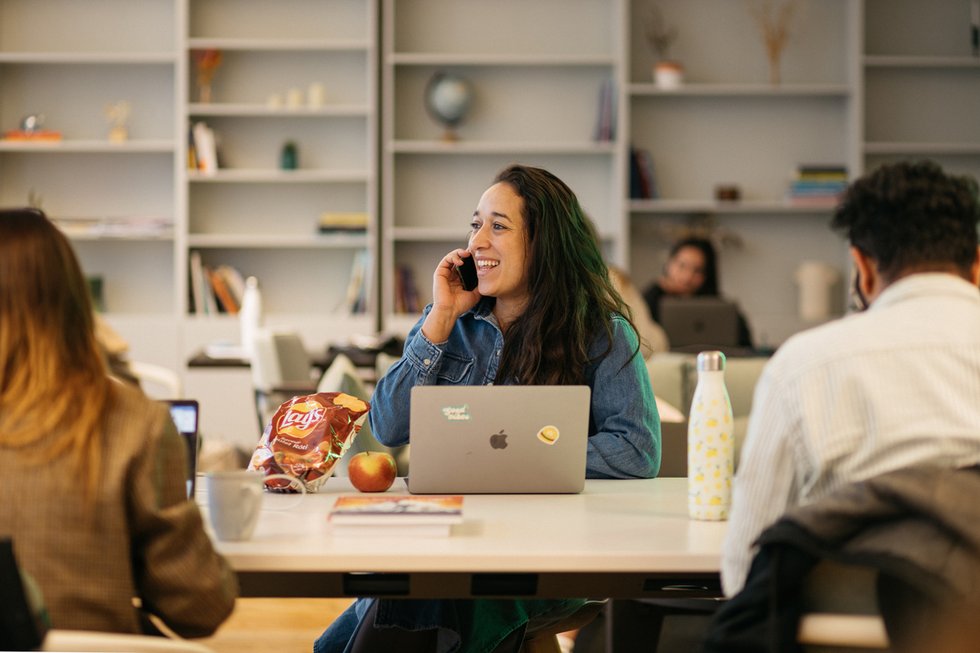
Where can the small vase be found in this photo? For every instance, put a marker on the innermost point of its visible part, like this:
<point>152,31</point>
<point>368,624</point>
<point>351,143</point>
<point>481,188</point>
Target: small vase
<point>668,74</point>
<point>204,93</point>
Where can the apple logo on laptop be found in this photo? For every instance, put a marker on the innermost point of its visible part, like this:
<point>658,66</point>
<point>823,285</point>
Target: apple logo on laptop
<point>498,440</point>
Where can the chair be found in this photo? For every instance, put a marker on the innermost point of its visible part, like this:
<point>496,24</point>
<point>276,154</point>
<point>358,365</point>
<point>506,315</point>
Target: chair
<point>22,620</point>
<point>281,369</point>
<point>83,640</point>
<point>841,608</point>
<point>342,376</point>
<point>156,378</point>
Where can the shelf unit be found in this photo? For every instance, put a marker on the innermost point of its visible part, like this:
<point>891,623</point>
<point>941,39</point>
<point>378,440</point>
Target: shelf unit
<point>728,125</point>
<point>921,85</point>
<point>523,65</point>
<point>51,66</point>
<point>262,219</point>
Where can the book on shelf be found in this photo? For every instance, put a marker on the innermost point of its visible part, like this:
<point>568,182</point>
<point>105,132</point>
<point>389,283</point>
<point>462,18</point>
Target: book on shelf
<point>406,293</point>
<point>356,297</point>
<point>205,149</point>
<point>605,125</point>
<point>225,299</point>
<point>643,184</point>
<point>336,221</point>
<point>376,515</point>
<point>198,285</point>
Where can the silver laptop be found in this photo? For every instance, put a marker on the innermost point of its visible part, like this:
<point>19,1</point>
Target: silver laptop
<point>498,439</point>
<point>711,321</point>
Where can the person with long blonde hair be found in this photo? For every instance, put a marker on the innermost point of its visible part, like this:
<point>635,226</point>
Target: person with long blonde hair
<point>92,472</point>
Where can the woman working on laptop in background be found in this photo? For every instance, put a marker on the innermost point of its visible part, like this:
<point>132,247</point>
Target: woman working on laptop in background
<point>543,313</point>
<point>691,270</point>
<point>92,472</point>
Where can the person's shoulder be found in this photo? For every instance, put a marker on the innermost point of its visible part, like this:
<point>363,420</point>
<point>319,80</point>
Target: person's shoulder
<point>133,409</point>
<point>819,345</point>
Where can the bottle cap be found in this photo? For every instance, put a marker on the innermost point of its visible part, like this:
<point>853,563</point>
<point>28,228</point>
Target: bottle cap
<point>711,361</point>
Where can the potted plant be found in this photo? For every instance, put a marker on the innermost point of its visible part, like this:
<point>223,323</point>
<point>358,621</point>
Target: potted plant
<point>667,72</point>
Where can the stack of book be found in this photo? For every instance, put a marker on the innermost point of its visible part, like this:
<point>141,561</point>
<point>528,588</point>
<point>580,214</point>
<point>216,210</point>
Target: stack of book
<point>381,515</point>
<point>817,185</point>
<point>215,290</point>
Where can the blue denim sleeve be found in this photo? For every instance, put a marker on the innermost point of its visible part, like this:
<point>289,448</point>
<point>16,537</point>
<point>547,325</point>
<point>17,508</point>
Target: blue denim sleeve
<point>626,440</point>
<point>419,365</point>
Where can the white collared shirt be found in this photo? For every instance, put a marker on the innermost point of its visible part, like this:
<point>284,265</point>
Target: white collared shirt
<point>894,386</point>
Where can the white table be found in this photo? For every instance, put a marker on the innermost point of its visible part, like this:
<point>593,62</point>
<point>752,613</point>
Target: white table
<point>623,539</point>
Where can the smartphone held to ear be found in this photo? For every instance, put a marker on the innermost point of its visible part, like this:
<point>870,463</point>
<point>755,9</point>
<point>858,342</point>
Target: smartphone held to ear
<point>467,273</point>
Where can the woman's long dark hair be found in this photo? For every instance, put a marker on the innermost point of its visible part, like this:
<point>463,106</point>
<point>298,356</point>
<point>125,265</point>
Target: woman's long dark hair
<point>571,297</point>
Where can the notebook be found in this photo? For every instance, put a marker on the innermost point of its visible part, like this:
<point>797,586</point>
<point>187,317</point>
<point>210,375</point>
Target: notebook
<point>184,413</point>
<point>498,439</point>
<point>710,321</point>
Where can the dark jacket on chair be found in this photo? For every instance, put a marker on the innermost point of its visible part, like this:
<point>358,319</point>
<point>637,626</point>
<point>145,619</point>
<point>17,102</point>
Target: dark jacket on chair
<point>920,526</point>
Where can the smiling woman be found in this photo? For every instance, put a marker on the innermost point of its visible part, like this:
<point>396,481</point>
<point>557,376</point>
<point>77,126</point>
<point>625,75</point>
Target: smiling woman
<point>544,312</point>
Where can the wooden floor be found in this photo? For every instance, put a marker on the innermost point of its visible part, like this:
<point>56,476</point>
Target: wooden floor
<point>280,625</point>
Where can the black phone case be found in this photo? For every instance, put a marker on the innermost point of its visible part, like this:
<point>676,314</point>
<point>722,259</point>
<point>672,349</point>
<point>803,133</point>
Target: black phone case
<point>467,273</point>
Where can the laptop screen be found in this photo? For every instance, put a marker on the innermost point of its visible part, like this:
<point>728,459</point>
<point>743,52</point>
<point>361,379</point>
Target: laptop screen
<point>184,413</point>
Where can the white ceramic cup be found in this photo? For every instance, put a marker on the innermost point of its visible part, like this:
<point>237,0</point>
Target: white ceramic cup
<point>235,500</point>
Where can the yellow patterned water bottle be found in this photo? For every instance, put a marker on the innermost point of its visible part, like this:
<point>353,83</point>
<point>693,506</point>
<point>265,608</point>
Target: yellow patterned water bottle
<point>710,442</point>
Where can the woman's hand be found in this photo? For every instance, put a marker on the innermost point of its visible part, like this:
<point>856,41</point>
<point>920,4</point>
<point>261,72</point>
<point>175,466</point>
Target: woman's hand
<point>449,300</point>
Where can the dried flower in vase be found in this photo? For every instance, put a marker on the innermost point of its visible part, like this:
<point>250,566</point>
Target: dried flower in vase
<point>660,37</point>
<point>206,64</point>
<point>774,23</point>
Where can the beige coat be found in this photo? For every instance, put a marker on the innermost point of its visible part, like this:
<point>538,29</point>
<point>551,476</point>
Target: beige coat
<point>145,540</point>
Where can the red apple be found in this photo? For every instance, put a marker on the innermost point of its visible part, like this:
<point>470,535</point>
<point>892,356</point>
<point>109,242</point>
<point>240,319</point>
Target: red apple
<point>372,471</point>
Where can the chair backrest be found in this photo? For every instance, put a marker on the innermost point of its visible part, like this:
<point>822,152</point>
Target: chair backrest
<point>21,625</point>
<point>342,376</point>
<point>157,381</point>
<point>79,640</point>
<point>280,359</point>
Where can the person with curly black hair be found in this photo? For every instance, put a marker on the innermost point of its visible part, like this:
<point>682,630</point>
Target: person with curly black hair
<point>889,388</point>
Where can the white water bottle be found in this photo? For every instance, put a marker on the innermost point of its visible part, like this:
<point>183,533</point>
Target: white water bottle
<point>250,316</point>
<point>710,442</point>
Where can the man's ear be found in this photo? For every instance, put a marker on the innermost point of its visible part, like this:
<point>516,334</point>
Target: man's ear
<point>975,269</point>
<point>868,280</point>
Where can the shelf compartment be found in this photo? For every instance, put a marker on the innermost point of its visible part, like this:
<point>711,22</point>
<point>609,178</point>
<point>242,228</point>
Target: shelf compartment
<point>55,26</point>
<point>922,105</point>
<point>320,290</point>
<point>697,143</point>
<point>496,114</point>
<point>274,176</point>
<point>254,143</point>
<point>250,77</point>
<point>739,90</point>
<point>293,21</point>
<point>279,241</point>
<point>73,97</point>
<point>677,206</point>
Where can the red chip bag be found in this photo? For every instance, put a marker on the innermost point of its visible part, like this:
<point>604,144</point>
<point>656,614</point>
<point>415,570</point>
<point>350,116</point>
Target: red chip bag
<point>306,438</point>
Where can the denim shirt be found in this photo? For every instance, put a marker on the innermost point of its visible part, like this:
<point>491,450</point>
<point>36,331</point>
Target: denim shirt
<point>624,426</point>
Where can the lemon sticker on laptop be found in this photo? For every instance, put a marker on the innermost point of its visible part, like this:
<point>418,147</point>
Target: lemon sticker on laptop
<point>548,434</point>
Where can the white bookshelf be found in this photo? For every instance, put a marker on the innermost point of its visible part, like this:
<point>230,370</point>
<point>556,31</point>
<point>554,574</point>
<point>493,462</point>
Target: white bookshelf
<point>728,125</point>
<point>526,62</point>
<point>262,219</point>
<point>921,84</point>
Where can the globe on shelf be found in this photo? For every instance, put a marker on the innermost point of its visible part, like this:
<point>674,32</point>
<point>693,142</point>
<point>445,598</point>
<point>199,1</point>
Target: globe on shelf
<point>447,99</point>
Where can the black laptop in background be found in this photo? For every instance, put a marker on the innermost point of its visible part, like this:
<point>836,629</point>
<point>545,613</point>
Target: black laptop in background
<point>185,414</point>
<point>699,322</point>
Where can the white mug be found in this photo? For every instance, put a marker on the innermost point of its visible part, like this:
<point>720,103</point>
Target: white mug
<point>235,499</point>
